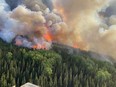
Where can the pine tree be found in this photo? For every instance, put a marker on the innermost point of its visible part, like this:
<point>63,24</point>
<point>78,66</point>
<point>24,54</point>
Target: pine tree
<point>3,81</point>
<point>55,80</point>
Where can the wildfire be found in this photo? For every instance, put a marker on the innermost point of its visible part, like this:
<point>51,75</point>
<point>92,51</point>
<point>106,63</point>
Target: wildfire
<point>34,47</point>
<point>48,37</point>
<point>40,34</point>
<point>75,45</point>
<point>18,42</point>
<point>39,46</point>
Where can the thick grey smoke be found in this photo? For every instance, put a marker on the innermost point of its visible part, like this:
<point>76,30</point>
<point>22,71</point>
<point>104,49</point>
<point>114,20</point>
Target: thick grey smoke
<point>12,3</point>
<point>29,3</point>
<point>111,10</point>
<point>48,3</point>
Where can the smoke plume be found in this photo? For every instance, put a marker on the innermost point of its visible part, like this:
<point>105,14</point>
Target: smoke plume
<point>94,21</point>
<point>30,25</point>
<point>86,24</point>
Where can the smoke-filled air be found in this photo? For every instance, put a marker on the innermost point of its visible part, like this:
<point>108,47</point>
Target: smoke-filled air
<point>89,25</point>
<point>92,22</point>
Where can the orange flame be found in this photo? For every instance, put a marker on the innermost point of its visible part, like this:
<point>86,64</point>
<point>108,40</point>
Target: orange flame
<point>48,37</point>
<point>75,45</point>
<point>18,42</point>
<point>39,46</point>
<point>34,46</point>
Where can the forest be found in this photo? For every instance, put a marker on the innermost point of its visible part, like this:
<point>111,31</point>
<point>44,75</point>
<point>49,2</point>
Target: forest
<point>53,68</point>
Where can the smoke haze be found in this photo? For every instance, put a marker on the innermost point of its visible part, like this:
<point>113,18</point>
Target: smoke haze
<point>94,21</point>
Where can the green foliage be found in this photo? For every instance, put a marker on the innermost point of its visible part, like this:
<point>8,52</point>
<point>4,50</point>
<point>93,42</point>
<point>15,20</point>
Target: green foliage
<point>103,75</point>
<point>9,55</point>
<point>52,68</point>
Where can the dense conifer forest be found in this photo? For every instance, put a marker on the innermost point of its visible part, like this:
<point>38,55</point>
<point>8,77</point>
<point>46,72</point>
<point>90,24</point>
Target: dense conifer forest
<point>53,68</point>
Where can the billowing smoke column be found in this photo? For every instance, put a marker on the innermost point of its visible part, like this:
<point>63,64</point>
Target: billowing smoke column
<point>90,24</point>
<point>31,24</point>
<point>93,21</point>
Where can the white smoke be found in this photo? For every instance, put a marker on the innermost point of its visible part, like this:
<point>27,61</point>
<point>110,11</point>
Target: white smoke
<point>4,5</point>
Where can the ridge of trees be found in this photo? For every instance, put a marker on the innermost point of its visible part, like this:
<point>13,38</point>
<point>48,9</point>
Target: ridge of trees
<point>19,65</point>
